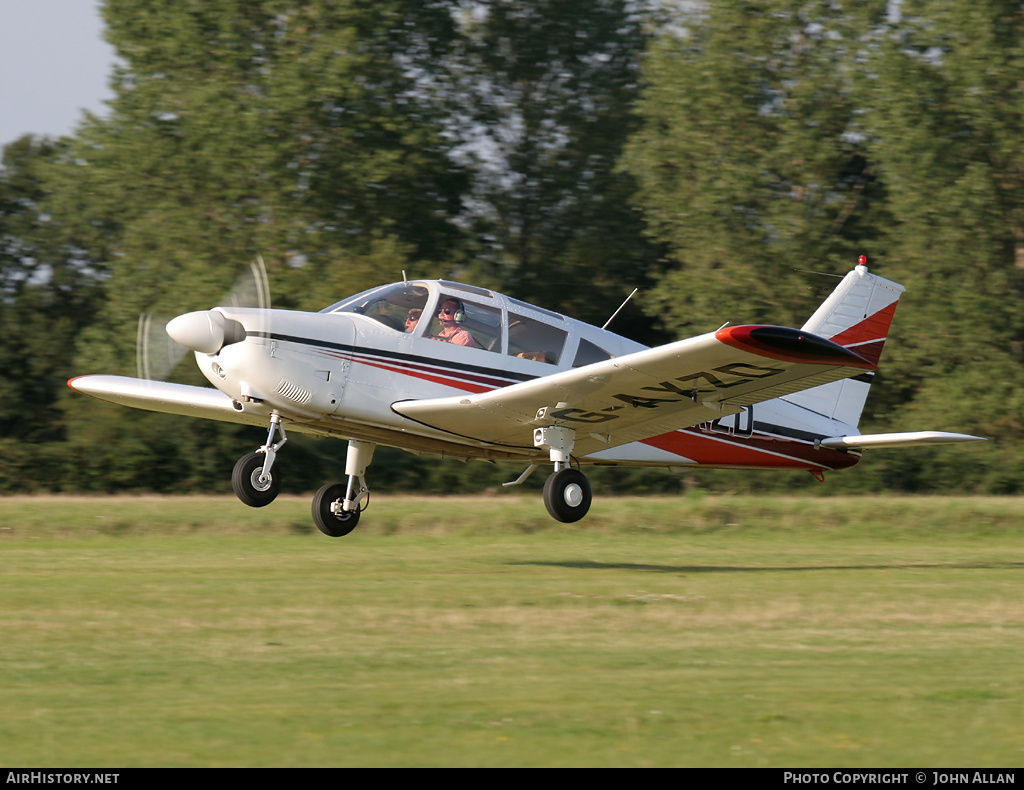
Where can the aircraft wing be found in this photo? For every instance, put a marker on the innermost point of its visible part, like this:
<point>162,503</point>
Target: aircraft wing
<point>649,392</point>
<point>166,397</point>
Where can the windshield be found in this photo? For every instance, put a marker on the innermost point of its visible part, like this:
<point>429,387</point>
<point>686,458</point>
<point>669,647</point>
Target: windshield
<point>397,306</point>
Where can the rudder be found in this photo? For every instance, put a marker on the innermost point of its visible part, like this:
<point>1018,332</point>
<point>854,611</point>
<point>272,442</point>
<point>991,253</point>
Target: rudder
<point>856,315</point>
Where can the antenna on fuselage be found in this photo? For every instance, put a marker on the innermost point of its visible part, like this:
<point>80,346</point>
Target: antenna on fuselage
<point>620,308</point>
<point>823,274</point>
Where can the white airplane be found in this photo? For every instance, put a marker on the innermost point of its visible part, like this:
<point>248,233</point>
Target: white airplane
<point>433,366</point>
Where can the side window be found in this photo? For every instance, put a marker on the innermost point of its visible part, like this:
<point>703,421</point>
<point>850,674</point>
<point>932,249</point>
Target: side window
<point>588,354</point>
<point>463,323</point>
<point>531,339</point>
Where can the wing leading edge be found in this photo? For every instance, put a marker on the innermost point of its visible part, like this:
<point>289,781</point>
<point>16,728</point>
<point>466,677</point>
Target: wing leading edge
<point>165,397</point>
<point>649,392</point>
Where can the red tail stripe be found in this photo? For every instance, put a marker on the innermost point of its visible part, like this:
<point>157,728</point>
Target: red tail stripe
<point>874,327</point>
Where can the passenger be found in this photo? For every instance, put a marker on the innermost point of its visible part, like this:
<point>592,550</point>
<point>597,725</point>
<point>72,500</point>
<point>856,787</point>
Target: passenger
<point>538,356</point>
<point>412,319</point>
<point>451,314</point>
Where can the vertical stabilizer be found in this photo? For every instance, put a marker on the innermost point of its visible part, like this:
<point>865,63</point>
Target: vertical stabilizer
<point>856,315</point>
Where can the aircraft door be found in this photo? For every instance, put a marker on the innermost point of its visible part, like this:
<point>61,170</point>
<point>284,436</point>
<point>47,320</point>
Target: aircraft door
<point>335,375</point>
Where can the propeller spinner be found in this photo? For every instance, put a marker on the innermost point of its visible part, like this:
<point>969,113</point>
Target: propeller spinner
<point>206,331</point>
<point>159,348</point>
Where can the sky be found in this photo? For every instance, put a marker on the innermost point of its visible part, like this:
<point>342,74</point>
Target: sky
<point>54,65</point>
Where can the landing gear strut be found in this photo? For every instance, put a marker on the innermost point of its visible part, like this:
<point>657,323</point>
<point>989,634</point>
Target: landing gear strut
<point>566,492</point>
<point>254,480</point>
<point>336,506</point>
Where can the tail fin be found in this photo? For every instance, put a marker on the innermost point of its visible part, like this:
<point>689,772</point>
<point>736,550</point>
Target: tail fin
<point>856,315</point>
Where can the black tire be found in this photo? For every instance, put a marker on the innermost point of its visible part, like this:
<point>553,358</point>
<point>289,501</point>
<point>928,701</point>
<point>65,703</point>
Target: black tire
<point>331,524</point>
<point>567,495</point>
<point>245,480</point>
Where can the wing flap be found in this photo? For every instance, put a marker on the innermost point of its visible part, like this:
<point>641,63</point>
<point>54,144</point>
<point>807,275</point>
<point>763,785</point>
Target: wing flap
<point>649,392</point>
<point>166,397</point>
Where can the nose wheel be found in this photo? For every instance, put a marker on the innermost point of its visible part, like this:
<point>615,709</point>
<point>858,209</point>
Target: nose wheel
<point>255,480</point>
<point>251,484</point>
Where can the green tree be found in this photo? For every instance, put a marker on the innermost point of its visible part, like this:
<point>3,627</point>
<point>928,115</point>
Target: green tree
<point>781,135</point>
<point>306,134</point>
<point>750,165</point>
<point>47,294</point>
<point>946,124</point>
<point>544,103</point>
<point>251,126</point>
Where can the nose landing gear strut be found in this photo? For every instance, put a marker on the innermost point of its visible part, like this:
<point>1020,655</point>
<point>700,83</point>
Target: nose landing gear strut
<point>255,480</point>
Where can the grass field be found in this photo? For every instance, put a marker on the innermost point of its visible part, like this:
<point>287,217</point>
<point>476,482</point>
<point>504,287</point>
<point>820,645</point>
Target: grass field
<point>690,631</point>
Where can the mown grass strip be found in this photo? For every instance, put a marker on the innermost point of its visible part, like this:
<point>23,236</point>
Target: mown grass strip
<point>459,632</point>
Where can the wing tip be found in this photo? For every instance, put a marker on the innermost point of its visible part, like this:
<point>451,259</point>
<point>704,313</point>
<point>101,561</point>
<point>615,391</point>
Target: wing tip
<point>79,383</point>
<point>790,345</point>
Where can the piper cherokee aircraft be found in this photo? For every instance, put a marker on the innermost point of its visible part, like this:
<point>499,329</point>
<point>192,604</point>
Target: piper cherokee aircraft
<point>433,366</point>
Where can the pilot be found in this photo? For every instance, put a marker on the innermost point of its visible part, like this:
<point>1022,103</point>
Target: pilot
<point>451,314</point>
<point>412,319</point>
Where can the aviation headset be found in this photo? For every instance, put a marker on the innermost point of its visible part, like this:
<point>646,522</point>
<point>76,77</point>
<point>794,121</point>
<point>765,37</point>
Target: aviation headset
<point>460,309</point>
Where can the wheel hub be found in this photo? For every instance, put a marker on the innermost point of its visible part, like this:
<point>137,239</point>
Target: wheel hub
<point>259,482</point>
<point>573,495</point>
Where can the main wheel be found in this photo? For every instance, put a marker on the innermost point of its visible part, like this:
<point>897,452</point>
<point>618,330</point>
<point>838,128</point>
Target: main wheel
<point>334,525</point>
<point>567,495</point>
<point>248,485</point>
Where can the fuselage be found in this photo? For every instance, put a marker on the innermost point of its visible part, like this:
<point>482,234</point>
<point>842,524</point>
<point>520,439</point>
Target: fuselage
<point>338,372</point>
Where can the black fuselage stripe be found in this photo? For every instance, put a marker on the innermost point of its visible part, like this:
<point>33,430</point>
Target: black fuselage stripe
<point>419,359</point>
<point>349,348</point>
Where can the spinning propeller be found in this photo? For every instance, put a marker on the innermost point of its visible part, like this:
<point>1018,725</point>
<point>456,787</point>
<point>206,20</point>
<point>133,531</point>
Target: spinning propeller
<point>162,342</point>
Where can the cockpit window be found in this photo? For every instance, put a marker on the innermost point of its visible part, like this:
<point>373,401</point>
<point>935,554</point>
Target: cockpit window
<point>588,353</point>
<point>463,323</point>
<point>392,305</point>
<point>470,289</point>
<point>532,339</point>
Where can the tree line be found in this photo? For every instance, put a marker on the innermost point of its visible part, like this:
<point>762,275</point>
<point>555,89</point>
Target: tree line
<point>729,159</point>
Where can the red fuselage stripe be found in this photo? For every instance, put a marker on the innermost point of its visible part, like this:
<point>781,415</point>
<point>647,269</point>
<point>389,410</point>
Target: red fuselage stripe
<point>756,451</point>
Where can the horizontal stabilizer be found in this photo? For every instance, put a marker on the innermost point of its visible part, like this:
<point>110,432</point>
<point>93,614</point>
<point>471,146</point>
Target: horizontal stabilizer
<point>896,439</point>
